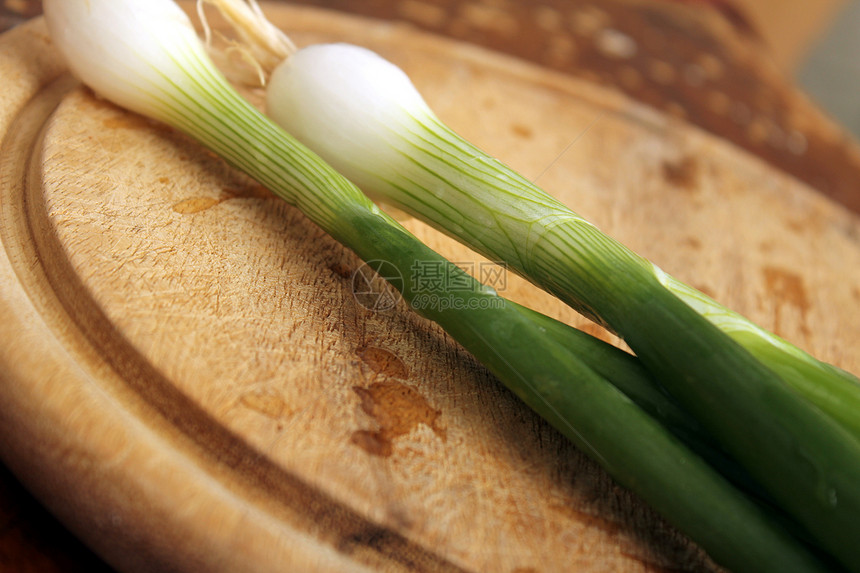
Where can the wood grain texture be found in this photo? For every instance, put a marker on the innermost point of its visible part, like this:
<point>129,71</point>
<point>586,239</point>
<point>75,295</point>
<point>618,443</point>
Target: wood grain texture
<point>189,382</point>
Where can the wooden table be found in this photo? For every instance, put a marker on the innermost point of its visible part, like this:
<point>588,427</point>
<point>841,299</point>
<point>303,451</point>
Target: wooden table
<point>31,539</point>
<point>690,64</point>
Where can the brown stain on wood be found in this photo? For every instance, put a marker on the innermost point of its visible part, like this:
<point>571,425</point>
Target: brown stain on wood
<point>522,131</point>
<point>692,242</point>
<point>267,402</point>
<point>786,286</point>
<point>373,443</point>
<point>253,191</point>
<point>682,173</point>
<point>704,289</point>
<point>197,204</point>
<point>796,225</point>
<point>341,269</point>
<point>787,289</point>
<point>398,409</point>
<point>128,121</point>
<point>426,13</point>
<point>383,361</point>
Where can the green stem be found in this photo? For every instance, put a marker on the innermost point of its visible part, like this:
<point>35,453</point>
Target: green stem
<point>809,461</point>
<point>443,178</point>
<point>550,375</point>
<point>631,445</point>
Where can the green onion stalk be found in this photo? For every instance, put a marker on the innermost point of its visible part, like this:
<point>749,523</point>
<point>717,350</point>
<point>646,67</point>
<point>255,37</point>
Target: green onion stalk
<point>393,146</point>
<point>792,421</point>
<point>145,56</point>
<point>390,143</point>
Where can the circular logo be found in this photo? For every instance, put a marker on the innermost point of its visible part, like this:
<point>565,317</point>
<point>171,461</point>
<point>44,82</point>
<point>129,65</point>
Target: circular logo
<point>376,285</point>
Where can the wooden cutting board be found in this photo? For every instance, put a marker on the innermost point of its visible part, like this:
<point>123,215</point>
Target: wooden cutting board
<point>190,383</point>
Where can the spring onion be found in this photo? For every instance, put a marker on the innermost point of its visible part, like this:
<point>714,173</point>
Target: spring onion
<point>144,55</point>
<point>364,116</point>
<point>790,419</point>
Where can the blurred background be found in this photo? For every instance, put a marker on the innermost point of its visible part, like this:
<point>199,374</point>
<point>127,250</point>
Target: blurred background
<point>816,43</point>
<point>828,67</point>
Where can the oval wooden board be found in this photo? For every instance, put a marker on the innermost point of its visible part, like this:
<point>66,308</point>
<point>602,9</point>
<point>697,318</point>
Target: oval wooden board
<point>190,384</point>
